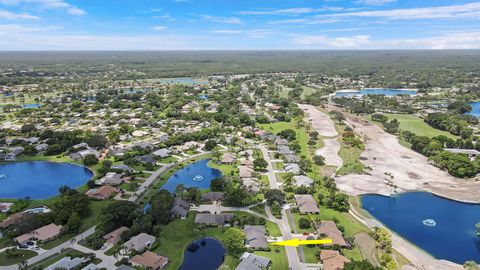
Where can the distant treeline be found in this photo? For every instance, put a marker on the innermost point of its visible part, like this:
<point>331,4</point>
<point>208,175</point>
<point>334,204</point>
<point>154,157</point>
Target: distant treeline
<point>387,68</point>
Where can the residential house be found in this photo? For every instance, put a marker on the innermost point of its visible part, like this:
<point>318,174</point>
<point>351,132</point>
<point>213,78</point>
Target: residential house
<point>331,231</point>
<point>292,168</point>
<point>213,219</point>
<point>139,133</point>
<point>122,167</point>
<point>149,260</point>
<point>140,242</point>
<point>115,236</point>
<point>284,150</point>
<point>162,153</point>
<point>245,172</point>
<point>255,236</point>
<point>281,141</point>
<point>212,196</point>
<point>332,260</point>
<point>229,158</point>
<point>12,219</point>
<point>41,147</point>
<point>5,206</point>
<point>67,263</point>
<point>125,267</point>
<point>302,180</point>
<point>251,184</point>
<point>180,208</point>
<point>306,204</point>
<point>90,267</point>
<point>471,153</point>
<point>111,178</point>
<point>291,158</point>
<point>250,261</point>
<point>42,234</point>
<point>143,145</point>
<point>146,159</point>
<point>102,193</point>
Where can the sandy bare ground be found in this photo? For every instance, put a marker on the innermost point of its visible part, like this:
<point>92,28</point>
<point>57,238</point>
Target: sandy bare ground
<point>326,128</point>
<point>330,152</point>
<point>411,171</point>
<point>320,121</point>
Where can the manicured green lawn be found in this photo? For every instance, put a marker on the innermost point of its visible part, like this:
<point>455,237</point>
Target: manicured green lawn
<point>175,237</point>
<point>88,222</point>
<point>351,160</point>
<point>353,254</point>
<point>347,221</point>
<point>273,229</point>
<point>226,169</point>
<point>279,259</point>
<point>259,209</point>
<point>416,125</point>
<point>310,253</point>
<point>24,255</point>
<point>307,90</point>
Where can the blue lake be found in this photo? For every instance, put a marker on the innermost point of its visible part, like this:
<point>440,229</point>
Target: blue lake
<point>442,227</point>
<point>184,80</point>
<point>39,179</point>
<point>475,109</point>
<point>31,106</point>
<point>208,256</point>
<point>376,91</point>
<point>197,174</point>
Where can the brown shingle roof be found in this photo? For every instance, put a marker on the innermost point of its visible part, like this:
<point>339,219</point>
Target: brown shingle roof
<point>44,233</point>
<point>150,259</point>
<point>332,260</point>
<point>329,228</point>
<point>306,204</point>
<point>115,236</point>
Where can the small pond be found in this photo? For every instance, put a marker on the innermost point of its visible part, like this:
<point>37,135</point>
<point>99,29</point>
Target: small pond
<point>376,91</point>
<point>475,109</point>
<point>205,254</point>
<point>39,179</point>
<point>184,80</point>
<point>442,227</point>
<point>31,106</point>
<point>197,174</point>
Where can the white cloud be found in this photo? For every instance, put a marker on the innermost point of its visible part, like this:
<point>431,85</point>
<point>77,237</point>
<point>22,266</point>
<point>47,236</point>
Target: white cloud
<point>7,15</point>
<point>48,4</point>
<point>290,11</point>
<point>303,21</point>
<point>227,31</point>
<point>463,40</point>
<point>442,12</point>
<point>159,27</point>
<point>12,29</point>
<point>375,2</point>
<point>339,42</point>
<point>227,20</point>
<point>46,41</point>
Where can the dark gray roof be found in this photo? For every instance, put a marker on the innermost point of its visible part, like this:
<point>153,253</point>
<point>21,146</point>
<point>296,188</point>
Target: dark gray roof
<point>251,261</point>
<point>212,219</point>
<point>255,236</point>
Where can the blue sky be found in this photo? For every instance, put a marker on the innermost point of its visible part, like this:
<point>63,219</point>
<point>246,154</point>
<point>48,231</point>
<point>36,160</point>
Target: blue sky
<point>238,24</point>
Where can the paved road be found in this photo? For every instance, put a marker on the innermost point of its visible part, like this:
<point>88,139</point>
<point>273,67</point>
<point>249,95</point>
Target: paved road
<point>68,244</point>
<point>54,250</point>
<point>293,261</point>
<point>271,172</point>
<point>217,208</point>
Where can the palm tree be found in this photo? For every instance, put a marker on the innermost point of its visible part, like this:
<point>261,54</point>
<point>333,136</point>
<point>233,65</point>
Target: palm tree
<point>23,265</point>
